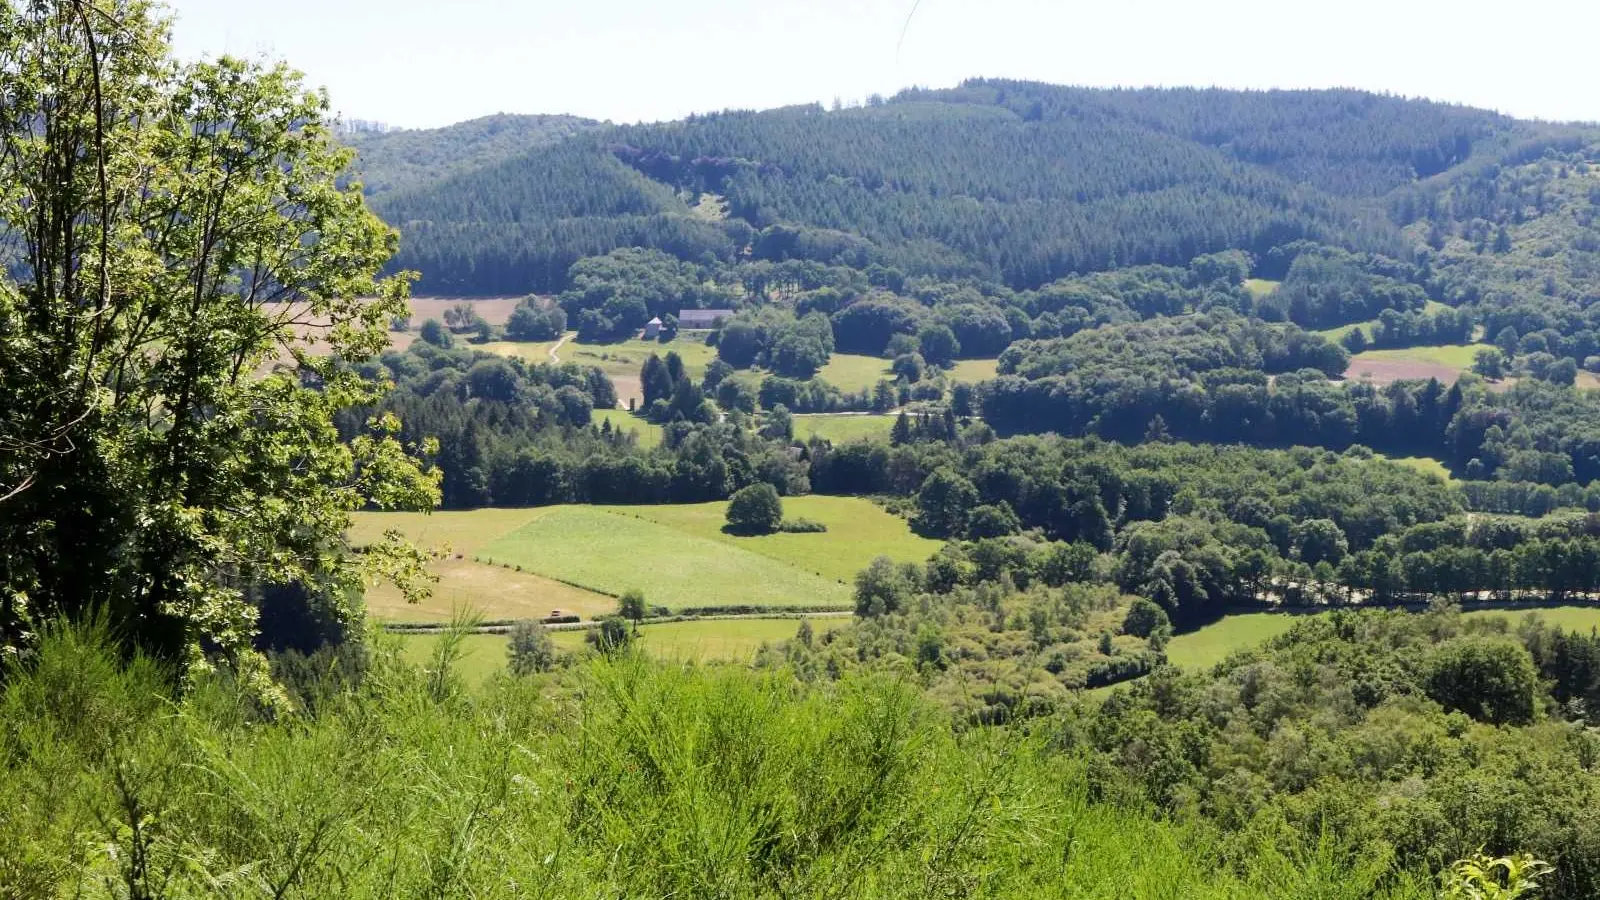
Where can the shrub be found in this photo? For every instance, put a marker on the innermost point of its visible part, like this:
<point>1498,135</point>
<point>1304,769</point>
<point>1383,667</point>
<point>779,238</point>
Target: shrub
<point>883,587</point>
<point>1145,618</point>
<point>802,526</point>
<point>755,510</point>
<point>610,636</point>
<point>632,605</point>
<point>531,649</point>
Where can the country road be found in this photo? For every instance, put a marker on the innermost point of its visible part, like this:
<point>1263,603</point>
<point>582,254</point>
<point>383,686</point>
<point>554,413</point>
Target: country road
<point>557,346</point>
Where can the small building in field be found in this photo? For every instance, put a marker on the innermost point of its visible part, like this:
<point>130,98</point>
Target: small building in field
<point>652,329</point>
<point>693,319</point>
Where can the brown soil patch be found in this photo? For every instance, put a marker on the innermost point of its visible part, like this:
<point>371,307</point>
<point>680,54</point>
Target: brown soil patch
<point>496,593</point>
<point>496,310</point>
<point>628,388</point>
<point>1383,371</point>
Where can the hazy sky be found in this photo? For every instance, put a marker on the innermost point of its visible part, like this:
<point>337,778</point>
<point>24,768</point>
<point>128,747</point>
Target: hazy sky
<point>432,62</point>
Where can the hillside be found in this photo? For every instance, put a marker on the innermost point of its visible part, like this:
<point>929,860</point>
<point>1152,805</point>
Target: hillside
<point>391,160</point>
<point>1010,182</point>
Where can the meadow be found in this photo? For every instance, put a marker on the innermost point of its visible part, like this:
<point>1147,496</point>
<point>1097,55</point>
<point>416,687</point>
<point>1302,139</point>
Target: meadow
<point>1260,287</point>
<point>612,552</point>
<point>1204,648</point>
<point>454,537</point>
<point>1427,465</point>
<point>578,558</point>
<point>973,370</point>
<point>842,427</point>
<point>858,531</point>
<point>853,372</point>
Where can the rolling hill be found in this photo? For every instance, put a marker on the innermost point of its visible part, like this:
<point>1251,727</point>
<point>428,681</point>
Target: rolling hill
<point>1010,182</point>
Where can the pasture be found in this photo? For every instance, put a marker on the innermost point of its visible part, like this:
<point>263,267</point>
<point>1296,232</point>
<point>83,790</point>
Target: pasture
<point>1260,287</point>
<point>579,558</point>
<point>858,531</point>
<point>455,536</point>
<point>1204,648</point>
<point>622,361</point>
<point>842,427</point>
<point>852,372</point>
<point>973,370</point>
<point>1424,464</point>
<point>610,553</point>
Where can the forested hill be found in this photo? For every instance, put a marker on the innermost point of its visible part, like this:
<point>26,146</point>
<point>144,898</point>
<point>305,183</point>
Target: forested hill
<point>1013,182</point>
<point>391,160</point>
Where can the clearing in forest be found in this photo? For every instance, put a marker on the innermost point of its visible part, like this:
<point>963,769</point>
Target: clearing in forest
<point>1338,333</point>
<point>841,428</point>
<point>648,432</point>
<point>1445,362</point>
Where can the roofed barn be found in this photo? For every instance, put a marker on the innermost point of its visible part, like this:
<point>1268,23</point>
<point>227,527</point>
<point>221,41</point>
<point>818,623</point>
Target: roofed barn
<point>703,318</point>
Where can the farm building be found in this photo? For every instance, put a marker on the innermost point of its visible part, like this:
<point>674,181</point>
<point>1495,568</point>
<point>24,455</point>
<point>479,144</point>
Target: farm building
<point>652,329</point>
<point>702,318</point>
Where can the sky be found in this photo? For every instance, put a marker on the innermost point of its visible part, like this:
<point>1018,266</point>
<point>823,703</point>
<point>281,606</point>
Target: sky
<point>428,63</point>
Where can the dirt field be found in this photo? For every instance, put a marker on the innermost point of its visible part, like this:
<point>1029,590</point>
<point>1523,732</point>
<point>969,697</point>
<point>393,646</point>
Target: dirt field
<point>1386,371</point>
<point>496,310</point>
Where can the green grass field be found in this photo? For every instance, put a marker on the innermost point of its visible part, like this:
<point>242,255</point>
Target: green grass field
<point>463,583</point>
<point>1210,645</point>
<point>649,433</point>
<point>973,370</point>
<point>842,427</point>
<point>611,553</point>
<point>463,531</point>
<point>1572,618</point>
<point>625,358</point>
<point>858,531</point>
<point>576,558</point>
<point>707,641</point>
<point>850,372</point>
<point>1424,464</point>
<point>1456,356</point>
<point>1260,287</point>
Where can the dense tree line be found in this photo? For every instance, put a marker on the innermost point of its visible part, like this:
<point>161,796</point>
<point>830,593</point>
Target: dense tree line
<point>506,433</point>
<point>1409,735</point>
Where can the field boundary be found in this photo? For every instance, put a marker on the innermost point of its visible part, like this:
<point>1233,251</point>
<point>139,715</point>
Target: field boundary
<point>504,626</point>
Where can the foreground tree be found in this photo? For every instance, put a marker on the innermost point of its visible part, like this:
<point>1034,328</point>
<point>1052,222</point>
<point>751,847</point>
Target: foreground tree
<point>189,286</point>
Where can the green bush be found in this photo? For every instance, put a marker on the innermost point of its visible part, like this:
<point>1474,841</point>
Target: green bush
<point>755,510</point>
<point>1489,679</point>
<point>622,778</point>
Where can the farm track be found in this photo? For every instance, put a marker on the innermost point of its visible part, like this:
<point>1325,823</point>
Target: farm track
<point>554,359</point>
